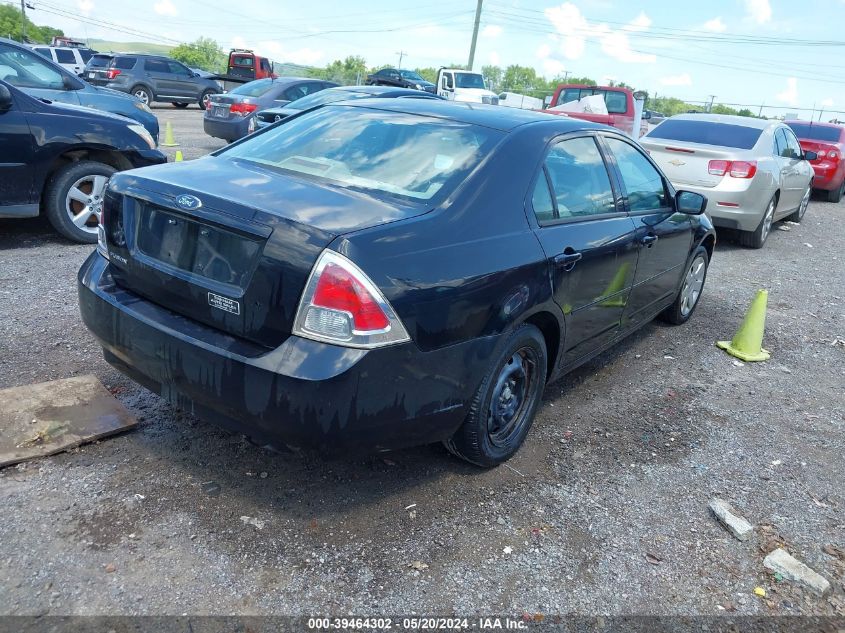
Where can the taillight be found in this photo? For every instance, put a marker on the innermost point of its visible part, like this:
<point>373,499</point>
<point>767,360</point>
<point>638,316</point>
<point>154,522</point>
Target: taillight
<point>243,109</point>
<point>341,305</point>
<point>111,73</point>
<point>831,155</point>
<point>736,169</point>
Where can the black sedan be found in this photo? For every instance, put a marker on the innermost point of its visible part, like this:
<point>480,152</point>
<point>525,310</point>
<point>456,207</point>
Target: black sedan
<point>331,95</point>
<point>390,272</point>
<point>57,158</point>
<point>400,79</point>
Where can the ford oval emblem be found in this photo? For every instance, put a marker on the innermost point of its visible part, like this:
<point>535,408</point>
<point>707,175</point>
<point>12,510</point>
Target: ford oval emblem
<point>189,203</point>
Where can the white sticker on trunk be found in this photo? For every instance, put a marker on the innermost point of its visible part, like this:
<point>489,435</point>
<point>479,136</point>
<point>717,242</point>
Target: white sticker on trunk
<point>224,303</point>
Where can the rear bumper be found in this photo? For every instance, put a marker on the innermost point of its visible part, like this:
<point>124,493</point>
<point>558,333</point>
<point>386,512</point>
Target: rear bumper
<point>827,177</point>
<point>741,210</point>
<point>228,130</point>
<point>303,393</point>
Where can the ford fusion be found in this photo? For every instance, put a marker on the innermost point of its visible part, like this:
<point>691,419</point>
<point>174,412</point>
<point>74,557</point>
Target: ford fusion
<point>385,273</point>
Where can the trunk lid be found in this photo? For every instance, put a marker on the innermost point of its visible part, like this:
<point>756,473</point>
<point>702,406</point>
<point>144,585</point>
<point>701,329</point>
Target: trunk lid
<point>686,163</point>
<point>240,259</point>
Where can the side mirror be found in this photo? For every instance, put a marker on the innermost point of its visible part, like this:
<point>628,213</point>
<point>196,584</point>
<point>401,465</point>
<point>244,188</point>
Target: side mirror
<point>690,203</point>
<point>5,99</point>
<point>70,83</point>
<point>808,155</point>
<point>647,115</point>
<point>547,101</point>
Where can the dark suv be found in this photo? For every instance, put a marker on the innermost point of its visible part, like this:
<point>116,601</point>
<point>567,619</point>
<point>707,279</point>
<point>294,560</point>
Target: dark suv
<point>151,78</point>
<point>400,79</point>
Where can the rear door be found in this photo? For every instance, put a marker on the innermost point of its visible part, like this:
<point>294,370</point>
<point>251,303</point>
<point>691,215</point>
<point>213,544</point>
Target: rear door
<point>664,236</point>
<point>589,240</point>
<point>16,159</point>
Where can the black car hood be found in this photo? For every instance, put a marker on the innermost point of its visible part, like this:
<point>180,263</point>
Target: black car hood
<point>234,186</point>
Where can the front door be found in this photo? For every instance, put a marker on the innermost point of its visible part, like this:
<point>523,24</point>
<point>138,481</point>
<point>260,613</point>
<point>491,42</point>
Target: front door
<point>16,159</point>
<point>589,242</point>
<point>182,80</point>
<point>664,236</point>
<point>794,171</point>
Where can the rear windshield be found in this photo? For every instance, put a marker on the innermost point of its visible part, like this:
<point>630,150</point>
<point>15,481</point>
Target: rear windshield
<point>403,155</point>
<point>99,61</point>
<point>816,132</point>
<point>707,133</point>
<point>124,63</point>
<point>253,88</point>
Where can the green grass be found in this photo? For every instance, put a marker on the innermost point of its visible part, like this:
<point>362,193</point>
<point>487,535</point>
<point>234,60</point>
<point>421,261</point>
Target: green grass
<point>105,46</point>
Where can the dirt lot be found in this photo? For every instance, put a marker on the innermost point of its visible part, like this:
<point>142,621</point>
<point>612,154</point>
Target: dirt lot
<point>603,511</point>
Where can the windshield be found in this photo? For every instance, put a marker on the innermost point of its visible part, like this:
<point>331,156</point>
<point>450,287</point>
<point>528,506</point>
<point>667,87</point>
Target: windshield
<point>29,70</point>
<point>323,97</point>
<point>469,80</point>
<point>253,88</point>
<point>410,74</point>
<point>707,133</point>
<point>404,155</point>
<point>825,133</point>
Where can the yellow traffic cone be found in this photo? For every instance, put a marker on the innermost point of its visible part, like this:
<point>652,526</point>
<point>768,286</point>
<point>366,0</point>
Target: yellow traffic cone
<point>169,141</point>
<point>179,158</point>
<point>617,284</point>
<point>748,340</point>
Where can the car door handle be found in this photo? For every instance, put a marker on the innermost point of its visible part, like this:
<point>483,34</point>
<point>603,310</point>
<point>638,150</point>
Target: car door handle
<point>567,259</point>
<point>648,240</point>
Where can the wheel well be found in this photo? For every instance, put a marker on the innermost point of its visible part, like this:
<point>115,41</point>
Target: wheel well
<point>114,159</point>
<point>709,243</point>
<point>144,86</point>
<point>550,329</point>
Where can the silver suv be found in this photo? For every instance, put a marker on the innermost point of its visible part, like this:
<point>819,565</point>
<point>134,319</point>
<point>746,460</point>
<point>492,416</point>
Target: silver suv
<point>151,78</point>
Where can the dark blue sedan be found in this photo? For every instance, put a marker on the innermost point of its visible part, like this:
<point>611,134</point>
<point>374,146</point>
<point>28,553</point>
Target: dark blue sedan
<point>390,272</point>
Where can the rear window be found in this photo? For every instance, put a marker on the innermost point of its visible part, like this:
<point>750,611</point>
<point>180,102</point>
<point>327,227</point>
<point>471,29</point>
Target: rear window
<point>707,133</point>
<point>615,101</point>
<point>816,132</point>
<point>99,61</point>
<point>253,88</point>
<point>124,63</point>
<point>239,60</point>
<point>403,155</point>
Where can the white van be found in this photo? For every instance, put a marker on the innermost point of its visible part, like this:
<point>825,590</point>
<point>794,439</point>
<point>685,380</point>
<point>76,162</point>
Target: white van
<point>464,85</point>
<point>70,58</point>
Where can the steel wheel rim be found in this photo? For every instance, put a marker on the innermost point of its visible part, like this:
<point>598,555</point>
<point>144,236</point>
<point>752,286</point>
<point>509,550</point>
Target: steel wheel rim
<point>84,202</point>
<point>805,202</point>
<point>510,401</point>
<point>143,96</point>
<point>767,219</point>
<point>693,283</point>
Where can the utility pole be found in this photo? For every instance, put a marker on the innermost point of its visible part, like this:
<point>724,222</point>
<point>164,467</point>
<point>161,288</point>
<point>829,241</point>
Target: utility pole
<point>401,55</point>
<point>760,113</point>
<point>474,35</point>
<point>710,107</point>
<point>23,21</point>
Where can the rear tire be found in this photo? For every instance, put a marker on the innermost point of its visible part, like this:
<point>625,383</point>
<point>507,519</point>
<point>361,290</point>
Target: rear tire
<point>756,238</point>
<point>798,215</point>
<point>73,198</point>
<point>180,105</point>
<point>691,289</point>
<point>143,93</point>
<point>835,195</point>
<point>505,404</point>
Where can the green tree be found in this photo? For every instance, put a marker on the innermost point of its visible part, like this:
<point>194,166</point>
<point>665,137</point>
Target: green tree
<point>203,53</point>
<point>346,72</point>
<point>10,26</point>
<point>520,79</point>
<point>428,73</point>
<point>746,112</point>
<point>579,81</point>
<point>493,75</point>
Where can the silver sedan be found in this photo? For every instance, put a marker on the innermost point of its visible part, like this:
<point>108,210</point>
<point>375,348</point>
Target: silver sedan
<point>752,171</point>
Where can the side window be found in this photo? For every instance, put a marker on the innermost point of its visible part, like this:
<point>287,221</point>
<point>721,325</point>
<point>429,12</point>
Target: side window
<point>296,92</point>
<point>792,143</point>
<point>155,66</point>
<point>643,183</point>
<point>126,63</point>
<point>780,143</point>
<point>541,200</point>
<point>27,69</point>
<point>447,77</point>
<point>579,180</point>
<point>43,51</point>
<point>265,66</point>
<point>616,102</point>
<point>65,56</point>
<point>178,69</point>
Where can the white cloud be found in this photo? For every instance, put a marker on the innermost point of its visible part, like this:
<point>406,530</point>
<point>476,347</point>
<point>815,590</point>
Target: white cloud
<point>760,11</point>
<point>85,6</point>
<point>715,25</point>
<point>827,103</point>
<point>545,50</point>
<point>165,7</point>
<point>576,31</point>
<point>677,80</point>
<point>553,67</point>
<point>790,95</point>
<point>491,30</point>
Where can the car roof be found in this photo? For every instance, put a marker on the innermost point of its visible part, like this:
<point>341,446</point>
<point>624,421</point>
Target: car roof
<point>381,90</point>
<point>814,123</point>
<point>729,119</point>
<point>495,117</point>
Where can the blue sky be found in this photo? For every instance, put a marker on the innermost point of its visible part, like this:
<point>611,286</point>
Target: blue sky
<point>742,51</point>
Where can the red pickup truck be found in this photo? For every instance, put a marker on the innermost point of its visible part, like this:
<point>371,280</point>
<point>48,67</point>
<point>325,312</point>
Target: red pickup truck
<point>621,111</point>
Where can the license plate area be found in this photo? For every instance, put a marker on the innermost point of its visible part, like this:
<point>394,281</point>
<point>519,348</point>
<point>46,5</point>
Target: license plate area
<point>220,111</point>
<point>196,247</point>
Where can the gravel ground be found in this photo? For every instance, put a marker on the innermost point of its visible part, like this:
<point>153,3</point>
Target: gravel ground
<point>604,511</point>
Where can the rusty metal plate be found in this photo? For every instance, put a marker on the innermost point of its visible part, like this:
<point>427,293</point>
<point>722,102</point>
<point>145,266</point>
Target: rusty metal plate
<point>51,417</point>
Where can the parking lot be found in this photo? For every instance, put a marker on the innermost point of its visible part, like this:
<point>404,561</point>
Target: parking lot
<point>603,511</point>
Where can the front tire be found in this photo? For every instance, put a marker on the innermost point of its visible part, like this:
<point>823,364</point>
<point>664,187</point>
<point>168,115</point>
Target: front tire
<point>505,404</point>
<point>73,199</point>
<point>205,97</point>
<point>756,238</point>
<point>691,288</point>
<point>798,215</point>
